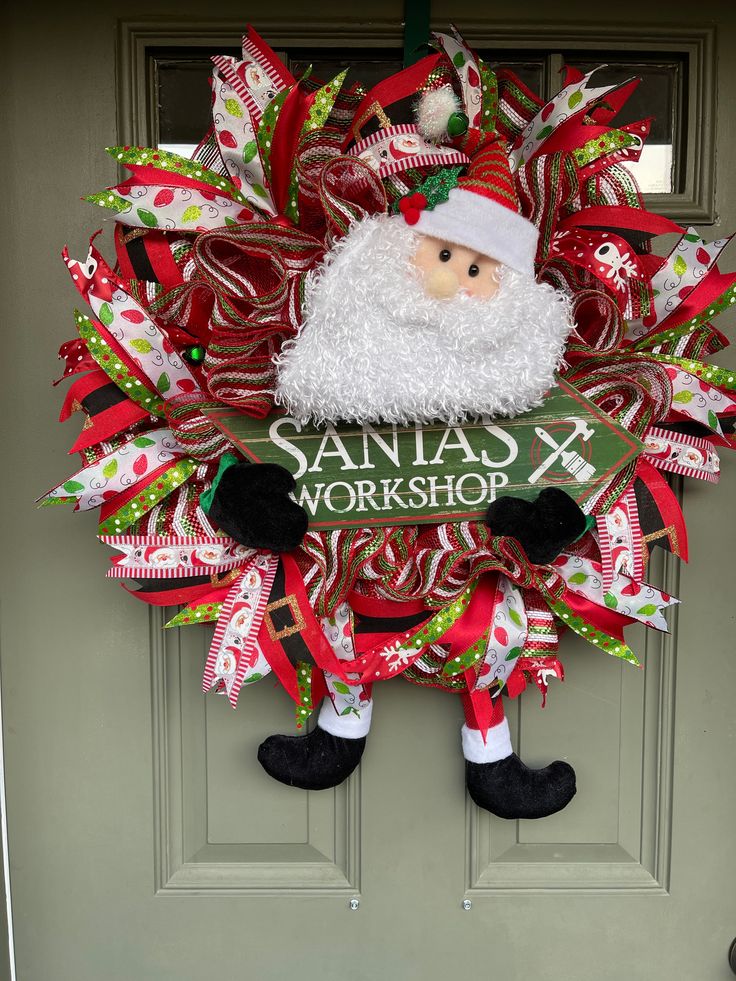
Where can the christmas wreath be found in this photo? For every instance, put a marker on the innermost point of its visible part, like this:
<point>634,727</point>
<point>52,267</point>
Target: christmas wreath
<point>345,295</point>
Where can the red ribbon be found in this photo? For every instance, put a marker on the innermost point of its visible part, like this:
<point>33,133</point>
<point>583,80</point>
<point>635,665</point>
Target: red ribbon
<point>285,141</point>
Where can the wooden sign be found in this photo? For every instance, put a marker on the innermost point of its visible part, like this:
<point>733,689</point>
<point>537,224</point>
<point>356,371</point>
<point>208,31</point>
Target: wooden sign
<point>353,476</point>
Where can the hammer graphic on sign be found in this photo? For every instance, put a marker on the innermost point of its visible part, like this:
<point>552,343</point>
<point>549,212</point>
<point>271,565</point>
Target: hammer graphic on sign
<point>572,461</point>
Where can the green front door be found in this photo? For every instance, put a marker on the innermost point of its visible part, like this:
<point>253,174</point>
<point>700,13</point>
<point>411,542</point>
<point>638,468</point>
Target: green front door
<point>145,841</point>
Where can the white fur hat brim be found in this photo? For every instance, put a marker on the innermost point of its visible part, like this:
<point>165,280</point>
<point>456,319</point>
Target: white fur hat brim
<point>486,226</point>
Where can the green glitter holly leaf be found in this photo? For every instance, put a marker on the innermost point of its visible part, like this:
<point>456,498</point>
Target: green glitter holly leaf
<point>254,677</point>
<point>143,441</point>
<point>692,237</point>
<point>141,345</point>
<point>647,610</point>
<point>232,106</point>
<point>249,151</point>
<point>682,397</point>
<point>347,711</point>
<point>680,266</point>
<point>610,600</point>
<point>73,486</point>
<point>106,315</point>
<point>458,60</point>
<point>147,217</point>
<point>192,213</point>
<point>110,469</point>
<point>257,189</point>
<point>712,419</point>
<point>544,133</point>
<point>342,688</point>
<point>575,98</point>
<point>230,221</point>
<point>164,383</point>
<point>513,654</point>
<point>514,616</point>
<point>577,579</point>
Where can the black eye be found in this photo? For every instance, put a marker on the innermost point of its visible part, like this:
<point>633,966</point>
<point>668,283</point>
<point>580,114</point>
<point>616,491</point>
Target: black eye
<point>473,270</point>
<point>445,255</point>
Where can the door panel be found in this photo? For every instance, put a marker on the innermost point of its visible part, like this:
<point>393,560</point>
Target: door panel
<point>145,840</point>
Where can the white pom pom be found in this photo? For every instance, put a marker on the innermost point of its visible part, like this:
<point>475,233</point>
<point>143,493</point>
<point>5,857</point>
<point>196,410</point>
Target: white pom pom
<point>433,111</point>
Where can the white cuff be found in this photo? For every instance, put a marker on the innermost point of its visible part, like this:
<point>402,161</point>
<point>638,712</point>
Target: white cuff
<point>496,747</point>
<point>349,726</point>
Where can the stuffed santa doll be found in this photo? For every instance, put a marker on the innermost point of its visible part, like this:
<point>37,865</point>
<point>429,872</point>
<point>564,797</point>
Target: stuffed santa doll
<point>429,314</point>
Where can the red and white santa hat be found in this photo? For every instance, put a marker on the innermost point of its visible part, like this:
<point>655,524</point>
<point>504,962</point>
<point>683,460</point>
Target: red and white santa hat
<point>482,212</point>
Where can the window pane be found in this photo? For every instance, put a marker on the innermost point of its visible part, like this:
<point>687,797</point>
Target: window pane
<point>658,95</point>
<point>367,66</point>
<point>184,100</point>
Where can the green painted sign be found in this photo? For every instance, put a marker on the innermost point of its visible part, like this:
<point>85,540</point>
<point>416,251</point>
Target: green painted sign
<point>353,476</point>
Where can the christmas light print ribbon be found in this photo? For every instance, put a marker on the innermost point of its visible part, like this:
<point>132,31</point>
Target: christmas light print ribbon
<point>233,116</point>
<point>467,72</point>
<point>173,556</point>
<point>507,635</point>
<point>129,324</point>
<point>696,399</point>
<point>687,265</point>
<point>634,600</point>
<point>573,99</point>
<point>234,653</point>
<point>681,454</point>
<point>183,209</point>
<point>171,192</point>
<point>117,471</point>
<point>395,149</point>
<point>118,366</point>
<point>130,506</point>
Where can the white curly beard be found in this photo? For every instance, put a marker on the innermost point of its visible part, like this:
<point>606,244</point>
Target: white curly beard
<point>375,348</point>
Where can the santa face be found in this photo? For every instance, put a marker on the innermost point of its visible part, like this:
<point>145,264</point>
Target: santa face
<point>376,347</point>
<point>447,268</point>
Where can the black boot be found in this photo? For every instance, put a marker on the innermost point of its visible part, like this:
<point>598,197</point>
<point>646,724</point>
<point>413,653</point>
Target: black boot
<point>509,789</point>
<point>316,761</point>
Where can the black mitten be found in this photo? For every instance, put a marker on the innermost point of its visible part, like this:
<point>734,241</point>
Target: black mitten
<point>543,527</point>
<point>252,505</point>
